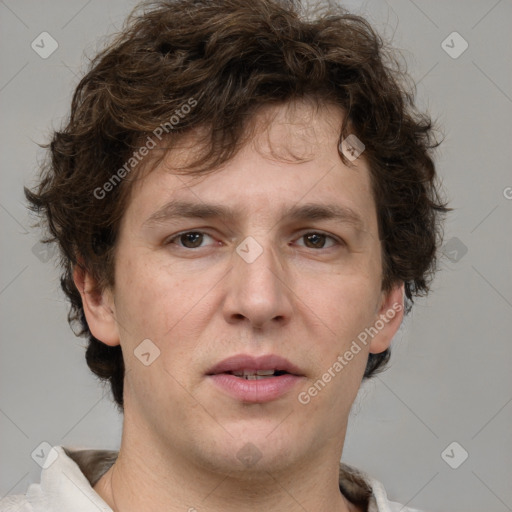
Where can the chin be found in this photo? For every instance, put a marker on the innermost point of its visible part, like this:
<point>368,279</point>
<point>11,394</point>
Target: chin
<point>251,451</point>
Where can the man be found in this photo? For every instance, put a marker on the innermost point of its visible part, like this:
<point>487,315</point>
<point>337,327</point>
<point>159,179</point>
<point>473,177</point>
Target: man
<point>243,198</point>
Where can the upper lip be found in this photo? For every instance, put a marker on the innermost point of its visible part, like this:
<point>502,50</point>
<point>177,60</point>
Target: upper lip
<point>241,362</point>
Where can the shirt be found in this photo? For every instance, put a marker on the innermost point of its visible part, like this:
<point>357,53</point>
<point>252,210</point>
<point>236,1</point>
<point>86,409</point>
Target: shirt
<point>67,485</point>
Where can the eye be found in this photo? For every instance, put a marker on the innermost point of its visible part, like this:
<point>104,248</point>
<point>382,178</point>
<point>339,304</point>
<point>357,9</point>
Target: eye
<point>315,240</point>
<point>195,239</point>
<point>188,239</point>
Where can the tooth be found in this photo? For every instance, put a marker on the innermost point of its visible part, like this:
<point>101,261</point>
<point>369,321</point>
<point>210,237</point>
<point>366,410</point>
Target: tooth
<point>257,377</point>
<point>253,375</point>
<point>265,372</point>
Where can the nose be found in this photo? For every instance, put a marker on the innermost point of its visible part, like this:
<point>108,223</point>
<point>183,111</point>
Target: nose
<point>258,292</point>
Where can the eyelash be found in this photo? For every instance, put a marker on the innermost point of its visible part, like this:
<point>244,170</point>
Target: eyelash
<point>178,235</point>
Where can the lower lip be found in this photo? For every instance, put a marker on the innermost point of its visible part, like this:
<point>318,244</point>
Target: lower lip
<point>255,391</point>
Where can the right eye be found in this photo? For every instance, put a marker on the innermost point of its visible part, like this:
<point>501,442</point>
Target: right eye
<point>188,239</point>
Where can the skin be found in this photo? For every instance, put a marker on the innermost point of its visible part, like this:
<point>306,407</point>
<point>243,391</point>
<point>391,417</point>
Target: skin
<point>304,299</point>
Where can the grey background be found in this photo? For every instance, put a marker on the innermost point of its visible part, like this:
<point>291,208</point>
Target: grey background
<point>450,378</point>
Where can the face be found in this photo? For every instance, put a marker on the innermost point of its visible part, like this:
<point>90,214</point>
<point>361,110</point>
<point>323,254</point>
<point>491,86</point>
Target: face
<point>269,265</point>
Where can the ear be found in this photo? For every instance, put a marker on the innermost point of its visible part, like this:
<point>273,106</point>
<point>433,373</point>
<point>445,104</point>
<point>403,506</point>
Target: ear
<point>98,307</point>
<point>389,317</point>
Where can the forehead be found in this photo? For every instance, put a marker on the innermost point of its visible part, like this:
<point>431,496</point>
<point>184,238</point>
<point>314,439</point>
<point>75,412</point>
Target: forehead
<point>289,165</point>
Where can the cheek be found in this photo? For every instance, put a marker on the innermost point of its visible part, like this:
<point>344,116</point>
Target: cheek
<point>339,357</point>
<point>142,301</point>
<point>168,307</point>
<point>342,304</point>
<point>340,308</point>
<point>152,306</point>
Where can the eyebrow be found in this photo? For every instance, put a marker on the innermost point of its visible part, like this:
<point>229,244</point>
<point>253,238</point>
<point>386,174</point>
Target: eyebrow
<point>306,212</point>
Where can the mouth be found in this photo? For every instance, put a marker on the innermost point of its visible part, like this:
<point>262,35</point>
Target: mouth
<point>257,374</point>
<point>255,379</point>
<point>254,368</point>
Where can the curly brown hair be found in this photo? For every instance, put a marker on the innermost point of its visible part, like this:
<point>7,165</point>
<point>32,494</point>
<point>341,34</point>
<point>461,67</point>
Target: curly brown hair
<point>232,57</point>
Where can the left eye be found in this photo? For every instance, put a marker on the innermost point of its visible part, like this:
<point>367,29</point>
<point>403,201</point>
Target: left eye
<point>195,239</point>
<point>317,240</point>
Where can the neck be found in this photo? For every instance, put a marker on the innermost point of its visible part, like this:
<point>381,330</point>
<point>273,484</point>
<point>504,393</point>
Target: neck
<point>148,477</point>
